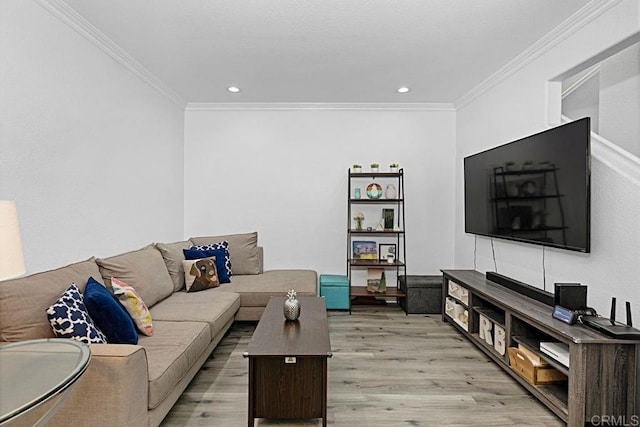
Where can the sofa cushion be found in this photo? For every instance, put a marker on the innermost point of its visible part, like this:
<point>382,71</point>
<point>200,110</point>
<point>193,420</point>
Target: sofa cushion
<point>209,306</point>
<point>143,269</point>
<point>171,352</point>
<point>69,318</point>
<point>24,301</point>
<point>218,254</point>
<point>173,257</point>
<point>200,274</point>
<point>135,306</point>
<point>109,315</point>
<point>256,290</point>
<point>243,248</point>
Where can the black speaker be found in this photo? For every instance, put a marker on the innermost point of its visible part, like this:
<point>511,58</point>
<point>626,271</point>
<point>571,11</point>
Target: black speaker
<point>571,295</point>
<point>522,288</point>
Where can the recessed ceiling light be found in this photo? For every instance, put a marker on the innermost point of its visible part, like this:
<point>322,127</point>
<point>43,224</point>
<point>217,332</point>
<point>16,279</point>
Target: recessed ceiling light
<point>403,89</point>
<point>233,89</point>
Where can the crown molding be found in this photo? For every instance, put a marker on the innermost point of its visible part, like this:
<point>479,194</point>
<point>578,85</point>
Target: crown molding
<point>570,26</point>
<point>73,20</point>
<point>367,106</point>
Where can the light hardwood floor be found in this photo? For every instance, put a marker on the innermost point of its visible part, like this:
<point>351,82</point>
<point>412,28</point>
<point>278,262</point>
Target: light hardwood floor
<point>388,369</point>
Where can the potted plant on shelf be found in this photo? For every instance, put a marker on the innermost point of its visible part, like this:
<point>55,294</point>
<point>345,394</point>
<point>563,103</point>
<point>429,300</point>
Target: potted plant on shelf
<point>527,165</point>
<point>357,168</point>
<point>393,167</point>
<point>358,218</point>
<point>374,167</point>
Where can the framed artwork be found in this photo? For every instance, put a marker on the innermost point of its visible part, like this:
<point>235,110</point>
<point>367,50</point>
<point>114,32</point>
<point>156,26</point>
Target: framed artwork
<point>365,250</point>
<point>388,216</point>
<point>386,250</point>
<point>376,281</point>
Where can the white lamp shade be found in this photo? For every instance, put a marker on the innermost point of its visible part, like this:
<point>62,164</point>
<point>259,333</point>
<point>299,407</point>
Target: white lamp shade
<point>11,258</point>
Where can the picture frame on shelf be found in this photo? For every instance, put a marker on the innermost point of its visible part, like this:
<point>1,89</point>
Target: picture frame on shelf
<point>388,217</point>
<point>363,249</point>
<point>387,250</point>
<point>376,280</point>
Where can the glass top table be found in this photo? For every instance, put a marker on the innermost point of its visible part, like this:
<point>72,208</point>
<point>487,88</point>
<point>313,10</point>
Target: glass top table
<point>37,371</point>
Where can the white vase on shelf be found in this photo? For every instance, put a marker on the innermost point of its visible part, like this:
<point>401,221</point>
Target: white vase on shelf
<point>391,192</point>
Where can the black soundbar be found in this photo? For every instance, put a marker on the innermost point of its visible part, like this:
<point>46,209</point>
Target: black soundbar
<point>522,288</point>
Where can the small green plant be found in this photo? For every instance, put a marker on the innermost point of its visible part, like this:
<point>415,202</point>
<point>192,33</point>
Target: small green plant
<point>375,165</point>
<point>393,165</point>
<point>355,165</point>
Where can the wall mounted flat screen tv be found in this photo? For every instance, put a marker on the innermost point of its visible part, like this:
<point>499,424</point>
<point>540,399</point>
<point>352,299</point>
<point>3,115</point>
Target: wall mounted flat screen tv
<point>534,190</point>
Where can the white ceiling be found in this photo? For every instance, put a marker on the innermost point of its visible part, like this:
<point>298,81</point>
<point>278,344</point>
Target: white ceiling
<point>324,50</point>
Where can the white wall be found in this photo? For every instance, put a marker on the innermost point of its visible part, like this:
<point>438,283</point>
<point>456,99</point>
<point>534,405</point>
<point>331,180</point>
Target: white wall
<point>91,154</point>
<point>620,99</point>
<point>284,174</point>
<point>584,101</point>
<point>517,107</point>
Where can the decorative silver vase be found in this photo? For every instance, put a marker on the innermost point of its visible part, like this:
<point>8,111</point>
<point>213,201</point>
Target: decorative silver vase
<point>291,306</point>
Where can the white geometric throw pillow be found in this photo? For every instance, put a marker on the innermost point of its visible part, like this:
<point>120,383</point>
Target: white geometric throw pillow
<point>69,318</point>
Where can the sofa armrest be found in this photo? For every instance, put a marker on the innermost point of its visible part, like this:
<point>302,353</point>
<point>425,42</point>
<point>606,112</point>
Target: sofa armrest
<point>113,391</point>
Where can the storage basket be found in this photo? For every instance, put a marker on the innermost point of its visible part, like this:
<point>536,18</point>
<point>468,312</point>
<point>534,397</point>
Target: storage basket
<point>521,363</point>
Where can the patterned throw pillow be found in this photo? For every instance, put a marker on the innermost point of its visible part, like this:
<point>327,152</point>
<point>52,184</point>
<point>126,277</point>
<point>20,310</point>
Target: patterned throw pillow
<point>108,314</point>
<point>69,318</point>
<point>134,305</point>
<point>200,274</point>
<point>224,245</point>
<point>218,254</point>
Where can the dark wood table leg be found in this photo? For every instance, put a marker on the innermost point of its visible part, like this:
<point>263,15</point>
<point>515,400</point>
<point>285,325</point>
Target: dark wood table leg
<point>324,392</point>
<point>251,420</point>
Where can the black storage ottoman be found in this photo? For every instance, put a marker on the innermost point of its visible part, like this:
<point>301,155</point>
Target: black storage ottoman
<point>424,294</point>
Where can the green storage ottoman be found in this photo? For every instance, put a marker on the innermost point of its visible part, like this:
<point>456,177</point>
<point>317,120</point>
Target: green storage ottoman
<point>424,294</point>
<point>335,290</point>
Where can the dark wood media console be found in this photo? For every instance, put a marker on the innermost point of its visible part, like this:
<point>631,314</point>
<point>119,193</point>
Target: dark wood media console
<point>603,374</point>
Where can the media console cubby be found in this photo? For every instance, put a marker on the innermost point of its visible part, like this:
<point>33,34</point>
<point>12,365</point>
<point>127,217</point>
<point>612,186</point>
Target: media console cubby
<point>602,373</point>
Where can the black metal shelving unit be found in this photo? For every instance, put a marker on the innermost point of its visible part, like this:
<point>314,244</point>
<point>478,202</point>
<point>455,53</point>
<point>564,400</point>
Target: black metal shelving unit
<point>398,233</point>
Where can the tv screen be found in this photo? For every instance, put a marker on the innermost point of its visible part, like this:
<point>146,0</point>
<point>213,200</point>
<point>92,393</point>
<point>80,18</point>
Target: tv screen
<point>535,189</point>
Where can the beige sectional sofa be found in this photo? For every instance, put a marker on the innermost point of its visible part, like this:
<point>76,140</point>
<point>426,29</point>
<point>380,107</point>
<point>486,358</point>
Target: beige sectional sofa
<point>136,385</point>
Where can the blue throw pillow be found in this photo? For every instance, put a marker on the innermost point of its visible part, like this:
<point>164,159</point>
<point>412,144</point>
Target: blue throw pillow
<point>224,245</point>
<point>193,253</point>
<point>110,316</point>
<point>69,318</point>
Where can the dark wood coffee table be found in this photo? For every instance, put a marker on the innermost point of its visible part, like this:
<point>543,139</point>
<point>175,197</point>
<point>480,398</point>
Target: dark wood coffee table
<point>288,363</point>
